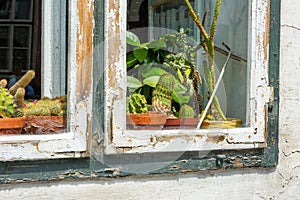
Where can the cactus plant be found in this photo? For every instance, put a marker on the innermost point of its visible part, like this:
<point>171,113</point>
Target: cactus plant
<point>3,83</point>
<point>23,82</point>
<point>186,111</point>
<point>162,94</point>
<point>45,107</point>
<point>19,98</point>
<point>136,103</point>
<point>7,106</point>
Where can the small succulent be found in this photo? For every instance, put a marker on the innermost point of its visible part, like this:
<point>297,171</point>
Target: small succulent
<point>186,111</point>
<point>136,103</point>
<point>7,106</point>
<point>46,107</point>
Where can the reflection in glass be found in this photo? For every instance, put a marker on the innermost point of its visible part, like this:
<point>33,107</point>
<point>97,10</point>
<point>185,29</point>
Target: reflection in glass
<point>3,58</point>
<point>20,58</point>
<point>22,10</point>
<point>4,36</point>
<point>21,36</point>
<point>4,9</point>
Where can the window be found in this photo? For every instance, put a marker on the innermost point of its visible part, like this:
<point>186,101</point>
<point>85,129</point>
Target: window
<point>16,18</point>
<point>241,26</point>
<point>63,55</point>
<point>97,106</point>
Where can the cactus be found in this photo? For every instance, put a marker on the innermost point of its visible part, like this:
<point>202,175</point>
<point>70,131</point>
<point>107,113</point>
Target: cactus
<point>23,82</point>
<point>136,103</point>
<point>7,105</point>
<point>19,98</point>
<point>162,94</point>
<point>186,111</point>
<point>46,107</point>
<point>3,83</point>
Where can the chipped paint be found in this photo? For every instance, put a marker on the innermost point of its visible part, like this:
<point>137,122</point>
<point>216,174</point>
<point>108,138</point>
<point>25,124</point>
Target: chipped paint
<point>259,92</point>
<point>74,143</point>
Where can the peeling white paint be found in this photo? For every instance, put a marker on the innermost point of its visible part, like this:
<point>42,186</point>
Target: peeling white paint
<point>259,94</point>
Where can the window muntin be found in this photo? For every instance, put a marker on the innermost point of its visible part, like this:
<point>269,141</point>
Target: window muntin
<point>255,99</point>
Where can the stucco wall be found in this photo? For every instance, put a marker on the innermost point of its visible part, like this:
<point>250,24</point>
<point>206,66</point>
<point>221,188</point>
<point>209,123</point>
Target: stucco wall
<point>281,182</point>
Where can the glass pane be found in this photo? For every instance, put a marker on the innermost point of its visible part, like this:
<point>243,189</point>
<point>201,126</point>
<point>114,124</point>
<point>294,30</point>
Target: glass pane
<point>4,36</point>
<point>23,9</point>
<point>5,6</point>
<point>174,67</point>
<point>20,59</point>
<point>3,59</point>
<point>21,36</point>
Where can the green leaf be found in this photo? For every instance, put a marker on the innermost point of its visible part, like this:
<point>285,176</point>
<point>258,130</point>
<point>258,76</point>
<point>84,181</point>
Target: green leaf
<point>133,82</point>
<point>155,71</point>
<point>181,99</point>
<point>132,39</point>
<point>140,54</point>
<point>130,60</point>
<point>157,44</point>
<point>180,94</point>
<point>151,81</point>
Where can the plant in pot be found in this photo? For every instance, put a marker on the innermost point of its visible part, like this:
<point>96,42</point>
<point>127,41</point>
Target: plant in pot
<point>11,118</point>
<point>12,103</point>
<point>167,78</point>
<point>138,115</point>
<point>217,118</point>
<point>45,115</point>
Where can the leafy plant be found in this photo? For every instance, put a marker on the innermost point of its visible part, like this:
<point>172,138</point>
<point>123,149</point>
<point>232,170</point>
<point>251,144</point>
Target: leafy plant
<point>170,54</point>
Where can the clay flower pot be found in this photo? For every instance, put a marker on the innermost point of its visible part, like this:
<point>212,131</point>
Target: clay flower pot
<point>230,123</point>
<point>11,125</point>
<point>44,124</point>
<point>148,121</point>
<point>181,123</point>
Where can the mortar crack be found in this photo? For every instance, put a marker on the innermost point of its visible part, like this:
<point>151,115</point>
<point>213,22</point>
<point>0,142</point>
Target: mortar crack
<point>291,26</point>
<point>291,153</point>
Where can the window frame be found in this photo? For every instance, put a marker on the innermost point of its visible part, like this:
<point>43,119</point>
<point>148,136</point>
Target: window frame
<point>73,144</point>
<point>92,168</point>
<point>118,139</point>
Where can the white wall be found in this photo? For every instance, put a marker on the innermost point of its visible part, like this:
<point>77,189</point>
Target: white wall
<point>280,183</point>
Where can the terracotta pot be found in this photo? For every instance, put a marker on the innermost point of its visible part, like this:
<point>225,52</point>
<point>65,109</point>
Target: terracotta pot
<point>149,120</point>
<point>11,125</point>
<point>230,123</point>
<point>181,123</point>
<point>44,124</point>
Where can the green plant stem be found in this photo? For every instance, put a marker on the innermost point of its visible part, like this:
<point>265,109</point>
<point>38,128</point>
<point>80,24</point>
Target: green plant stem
<point>208,45</point>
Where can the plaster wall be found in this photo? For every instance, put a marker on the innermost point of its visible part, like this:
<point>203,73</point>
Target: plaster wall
<point>281,182</point>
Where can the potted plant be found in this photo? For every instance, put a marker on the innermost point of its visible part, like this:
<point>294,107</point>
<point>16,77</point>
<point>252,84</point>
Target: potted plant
<point>11,118</point>
<point>217,118</point>
<point>138,115</point>
<point>166,78</point>
<point>45,115</point>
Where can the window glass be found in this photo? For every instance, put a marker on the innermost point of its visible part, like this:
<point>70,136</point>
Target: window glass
<point>43,103</point>
<point>170,68</point>
<point>23,9</point>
